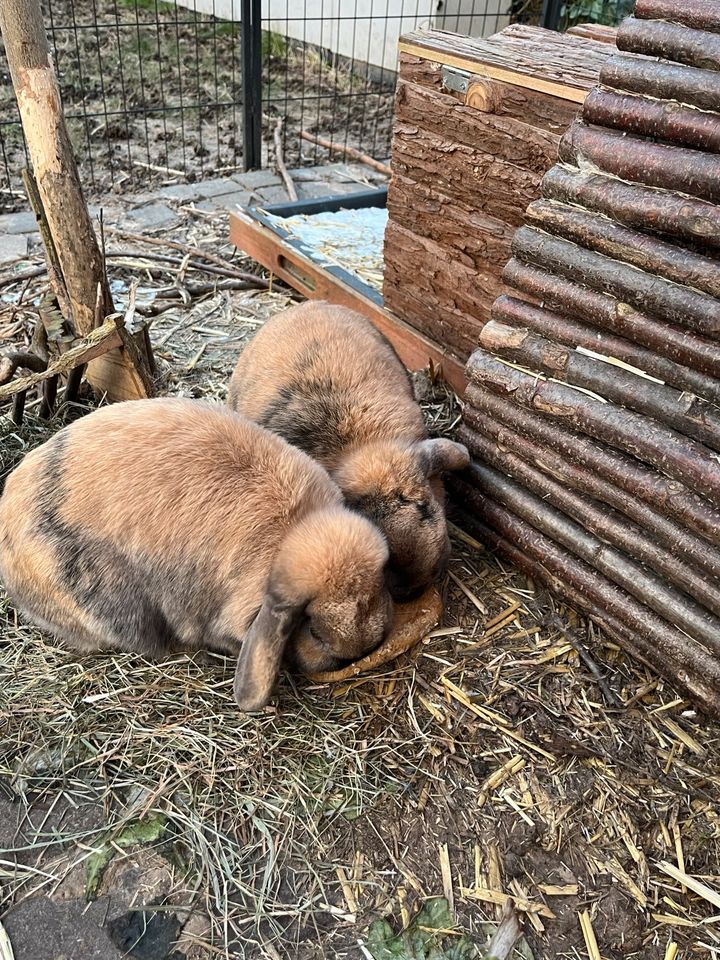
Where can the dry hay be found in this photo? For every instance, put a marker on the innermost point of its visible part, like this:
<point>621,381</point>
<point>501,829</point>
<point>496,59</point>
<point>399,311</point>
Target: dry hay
<point>485,764</point>
<point>515,753</point>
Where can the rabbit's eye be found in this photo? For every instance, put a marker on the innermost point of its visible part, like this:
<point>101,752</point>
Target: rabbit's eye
<point>314,634</point>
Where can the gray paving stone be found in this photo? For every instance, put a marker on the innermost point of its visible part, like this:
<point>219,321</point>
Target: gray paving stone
<point>152,216</point>
<point>215,188</point>
<point>226,201</point>
<point>256,179</point>
<point>180,191</point>
<point>13,246</point>
<point>23,222</point>
<point>276,194</point>
<point>323,188</point>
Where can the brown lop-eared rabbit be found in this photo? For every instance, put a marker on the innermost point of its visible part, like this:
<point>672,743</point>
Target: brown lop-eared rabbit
<point>326,380</point>
<point>157,525</point>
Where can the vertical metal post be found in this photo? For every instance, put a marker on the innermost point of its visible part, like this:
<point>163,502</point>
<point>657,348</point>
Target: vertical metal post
<point>550,16</point>
<point>251,12</point>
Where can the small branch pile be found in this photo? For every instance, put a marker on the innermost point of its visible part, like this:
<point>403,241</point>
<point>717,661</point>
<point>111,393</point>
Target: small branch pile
<point>594,416</point>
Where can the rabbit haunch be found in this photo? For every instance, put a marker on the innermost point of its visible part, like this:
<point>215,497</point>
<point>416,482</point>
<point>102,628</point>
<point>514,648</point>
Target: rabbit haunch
<point>161,524</point>
<point>324,379</point>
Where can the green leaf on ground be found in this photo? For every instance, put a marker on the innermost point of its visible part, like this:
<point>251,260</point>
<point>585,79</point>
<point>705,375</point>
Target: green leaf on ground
<point>429,937</point>
<point>137,833</point>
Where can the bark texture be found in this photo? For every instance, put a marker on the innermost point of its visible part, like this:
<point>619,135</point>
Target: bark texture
<point>668,497</point>
<point>608,313</point>
<point>670,41</point>
<point>701,559</point>
<point>666,81</point>
<point>571,333</point>
<point>648,291</point>
<point>665,449</point>
<point>664,119</point>
<point>641,161</point>
<point>689,415</point>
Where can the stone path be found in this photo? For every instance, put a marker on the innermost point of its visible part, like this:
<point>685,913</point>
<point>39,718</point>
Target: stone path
<point>157,210</point>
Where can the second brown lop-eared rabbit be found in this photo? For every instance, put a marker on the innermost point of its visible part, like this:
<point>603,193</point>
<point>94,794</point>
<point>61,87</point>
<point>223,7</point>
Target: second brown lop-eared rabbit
<point>326,380</point>
<point>155,525</point>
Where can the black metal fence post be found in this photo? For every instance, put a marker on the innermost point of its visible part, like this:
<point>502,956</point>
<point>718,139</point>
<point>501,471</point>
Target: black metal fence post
<point>251,36</point>
<point>550,16</point>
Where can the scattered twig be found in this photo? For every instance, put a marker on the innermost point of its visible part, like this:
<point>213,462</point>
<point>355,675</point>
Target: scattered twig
<point>552,620</point>
<point>280,161</point>
<point>28,274</point>
<point>118,255</point>
<point>347,151</point>
<point>20,360</point>
<point>195,252</point>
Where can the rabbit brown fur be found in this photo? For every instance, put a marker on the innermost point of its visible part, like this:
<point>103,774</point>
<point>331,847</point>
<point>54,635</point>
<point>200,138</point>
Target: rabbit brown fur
<point>326,380</point>
<point>159,524</point>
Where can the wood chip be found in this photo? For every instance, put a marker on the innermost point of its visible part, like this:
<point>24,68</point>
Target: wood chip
<point>446,876</point>
<point>347,891</point>
<point>589,936</point>
<point>697,887</point>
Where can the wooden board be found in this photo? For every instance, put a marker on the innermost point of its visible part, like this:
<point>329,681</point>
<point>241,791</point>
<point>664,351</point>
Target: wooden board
<point>541,60</point>
<point>280,257</point>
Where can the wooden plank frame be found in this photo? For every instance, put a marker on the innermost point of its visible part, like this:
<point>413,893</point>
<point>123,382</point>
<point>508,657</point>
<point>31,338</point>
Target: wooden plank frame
<point>252,231</point>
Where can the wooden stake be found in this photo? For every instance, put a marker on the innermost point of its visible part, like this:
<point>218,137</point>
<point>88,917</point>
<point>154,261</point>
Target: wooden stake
<point>71,237</point>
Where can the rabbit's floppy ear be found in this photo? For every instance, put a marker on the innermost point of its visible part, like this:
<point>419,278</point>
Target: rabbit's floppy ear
<point>437,456</point>
<point>262,650</point>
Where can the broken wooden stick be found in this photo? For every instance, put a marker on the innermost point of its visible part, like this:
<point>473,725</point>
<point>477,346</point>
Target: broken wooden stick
<point>74,257</point>
<point>97,343</point>
<point>507,934</point>
<point>347,151</point>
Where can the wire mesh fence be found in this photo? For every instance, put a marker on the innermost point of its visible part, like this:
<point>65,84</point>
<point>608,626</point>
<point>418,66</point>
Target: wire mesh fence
<point>156,90</point>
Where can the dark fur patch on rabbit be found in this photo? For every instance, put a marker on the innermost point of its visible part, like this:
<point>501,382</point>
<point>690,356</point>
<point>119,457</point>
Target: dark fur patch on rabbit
<point>324,379</point>
<point>154,525</point>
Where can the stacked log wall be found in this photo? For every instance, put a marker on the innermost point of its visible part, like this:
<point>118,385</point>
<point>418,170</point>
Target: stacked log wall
<point>593,405</point>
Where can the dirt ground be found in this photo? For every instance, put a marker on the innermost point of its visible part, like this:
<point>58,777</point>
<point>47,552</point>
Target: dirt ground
<point>156,90</point>
<point>515,752</point>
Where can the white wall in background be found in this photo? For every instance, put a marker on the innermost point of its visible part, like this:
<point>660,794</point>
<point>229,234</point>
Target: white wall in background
<point>372,36</point>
